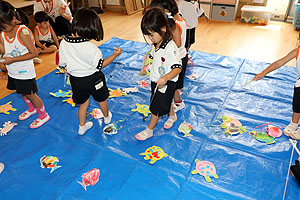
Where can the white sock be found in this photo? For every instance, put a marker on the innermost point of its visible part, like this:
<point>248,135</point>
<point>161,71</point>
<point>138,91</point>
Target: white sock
<point>84,128</point>
<point>107,120</point>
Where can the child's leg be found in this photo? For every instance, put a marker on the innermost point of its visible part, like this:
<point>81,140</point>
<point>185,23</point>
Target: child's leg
<point>31,109</point>
<point>172,118</point>
<point>177,96</point>
<point>50,49</point>
<point>107,114</point>
<point>292,127</point>
<point>148,132</point>
<point>83,127</point>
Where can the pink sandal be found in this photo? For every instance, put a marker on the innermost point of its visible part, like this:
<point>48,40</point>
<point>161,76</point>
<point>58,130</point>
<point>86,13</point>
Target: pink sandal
<point>143,135</point>
<point>39,122</point>
<point>169,123</point>
<point>26,114</point>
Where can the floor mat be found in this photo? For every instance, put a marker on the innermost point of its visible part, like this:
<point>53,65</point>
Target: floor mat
<point>245,167</point>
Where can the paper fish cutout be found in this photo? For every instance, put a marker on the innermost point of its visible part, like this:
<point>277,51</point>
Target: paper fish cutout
<point>193,76</point>
<point>142,108</point>
<point>97,113</point>
<point>143,83</point>
<point>262,137</point>
<point>231,125</point>
<point>154,154</point>
<point>62,93</point>
<point>190,64</point>
<point>5,108</point>
<point>70,101</point>
<point>206,169</point>
<point>49,162</point>
<point>113,128</point>
<point>116,93</point>
<point>60,70</point>
<point>133,89</point>
<point>90,178</point>
<point>7,126</point>
<point>273,131</point>
<point>147,62</point>
<point>185,128</point>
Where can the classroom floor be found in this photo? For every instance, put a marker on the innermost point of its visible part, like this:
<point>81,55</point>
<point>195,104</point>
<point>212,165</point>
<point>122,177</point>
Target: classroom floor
<point>246,168</point>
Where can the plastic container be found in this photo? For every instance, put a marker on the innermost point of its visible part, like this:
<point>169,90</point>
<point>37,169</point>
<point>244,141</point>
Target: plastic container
<point>256,14</point>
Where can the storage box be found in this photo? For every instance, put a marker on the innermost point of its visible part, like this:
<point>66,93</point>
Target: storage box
<point>256,14</point>
<point>223,12</point>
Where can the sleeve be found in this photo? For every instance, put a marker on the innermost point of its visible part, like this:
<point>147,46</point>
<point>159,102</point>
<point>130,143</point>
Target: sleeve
<point>96,57</point>
<point>60,57</point>
<point>199,10</point>
<point>174,60</point>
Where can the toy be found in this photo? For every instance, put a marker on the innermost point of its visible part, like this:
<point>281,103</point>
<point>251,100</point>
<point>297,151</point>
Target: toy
<point>90,178</point>
<point>6,107</point>
<point>70,101</point>
<point>7,126</point>
<point>49,162</point>
<point>97,113</point>
<point>206,169</point>
<point>193,76</point>
<point>133,89</point>
<point>116,93</point>
<point>61,93</point>
<point>143,83</point>
<point>154,154</point>
<point>185,128</point>
<point>273,131</point>
<point>113,128</point>
<point>190,65</point>
<point>60,70</point>
<point>231,125</point>
<point>262,137</point>
<point>142,108</point>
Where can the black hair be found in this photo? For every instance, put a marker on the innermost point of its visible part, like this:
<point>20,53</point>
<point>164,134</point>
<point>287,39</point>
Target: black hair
<point>7,12</point>
<point>170,5</point>
<point>153,21</point>
<point>87,24</point>
<point>41,16</point>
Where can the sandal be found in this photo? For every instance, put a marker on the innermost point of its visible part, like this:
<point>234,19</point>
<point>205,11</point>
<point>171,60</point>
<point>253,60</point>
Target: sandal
<point>143,135</point>
<point>26,114</point>
<point>169,123</point>
<point>39,122</point>
<point>295,135</point>
<point>291,128</point>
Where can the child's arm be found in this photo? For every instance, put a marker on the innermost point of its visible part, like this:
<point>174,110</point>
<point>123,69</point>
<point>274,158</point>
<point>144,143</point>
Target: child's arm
<point>277,64</point>
<point>36,38</point>
<point>108,60</point>
<point>54,37</point>
<point>163,80</point>
<point>176,32</point>
<point>25,37</point>
<point>2,49</point>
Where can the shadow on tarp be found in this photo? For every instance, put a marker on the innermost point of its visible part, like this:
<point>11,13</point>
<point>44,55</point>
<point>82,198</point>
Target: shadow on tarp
<point>247,169</point>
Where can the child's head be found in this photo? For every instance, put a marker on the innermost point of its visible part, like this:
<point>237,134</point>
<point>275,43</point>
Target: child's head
<point>42,19</point>
<point>167,5</point>
<point>10,17</point>
<point>155,25</point>
<point>87,24</point>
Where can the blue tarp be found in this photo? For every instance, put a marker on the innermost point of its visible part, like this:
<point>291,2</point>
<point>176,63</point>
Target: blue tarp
<point>247,169</point>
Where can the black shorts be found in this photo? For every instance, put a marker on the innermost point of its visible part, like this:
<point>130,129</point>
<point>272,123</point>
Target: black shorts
<point>296,170</point>
<point>296,100</point>
<point>161,102</point>
<point>83,87</point>
<point>26,87</point>
<point>190,37</point>
<point>48,44</point>
<point>180,81</point>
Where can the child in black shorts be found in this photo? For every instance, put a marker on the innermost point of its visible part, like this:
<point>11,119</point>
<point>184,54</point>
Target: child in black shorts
<point>84,61</point>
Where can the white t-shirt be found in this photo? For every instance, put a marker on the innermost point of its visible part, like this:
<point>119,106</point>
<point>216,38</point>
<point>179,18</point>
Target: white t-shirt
<point>81,57</point>
<point>53,11</point>
<point>190,12</point>
<point>14,48</point>
<point>182,25</point>
<point>165,59</point>
<point>44,37</point>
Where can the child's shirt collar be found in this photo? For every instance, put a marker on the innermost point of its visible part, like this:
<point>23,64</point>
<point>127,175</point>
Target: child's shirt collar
<point>71,39</point>
<point>164,44</point>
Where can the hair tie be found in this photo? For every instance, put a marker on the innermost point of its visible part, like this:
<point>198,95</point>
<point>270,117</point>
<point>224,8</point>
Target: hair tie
<point>170,16</point>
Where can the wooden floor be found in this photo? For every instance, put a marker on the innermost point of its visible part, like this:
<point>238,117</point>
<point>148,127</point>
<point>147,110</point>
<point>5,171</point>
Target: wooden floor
<point>254,42</point>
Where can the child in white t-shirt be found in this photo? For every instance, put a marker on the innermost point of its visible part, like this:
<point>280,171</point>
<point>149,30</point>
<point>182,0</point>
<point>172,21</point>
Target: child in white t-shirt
<point>84,61</point>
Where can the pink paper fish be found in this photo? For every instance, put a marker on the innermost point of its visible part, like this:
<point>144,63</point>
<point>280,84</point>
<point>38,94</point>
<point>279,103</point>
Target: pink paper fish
<point>273,131</point>
<point>90,178</point>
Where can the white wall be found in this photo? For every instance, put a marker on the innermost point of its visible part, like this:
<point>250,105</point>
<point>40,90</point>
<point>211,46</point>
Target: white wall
<point>279,6</point>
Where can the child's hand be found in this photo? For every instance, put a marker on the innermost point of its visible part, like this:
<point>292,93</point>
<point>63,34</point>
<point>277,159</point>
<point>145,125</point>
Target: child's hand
<point>143,72</point>
<point>206,18</point>
<point>62,10</point>
<point>162,81</point>
<point>259,76</point>
<point>117,51</point>
<point>7,60</point>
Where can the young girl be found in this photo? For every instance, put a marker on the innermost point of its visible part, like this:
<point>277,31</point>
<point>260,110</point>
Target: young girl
<point>178,29</point>
<point>166,65</point>
<point>84,61</point>
<point>291,129</point>
<point>17,44</point>
<point>45,38</point>
<point>190,11</point>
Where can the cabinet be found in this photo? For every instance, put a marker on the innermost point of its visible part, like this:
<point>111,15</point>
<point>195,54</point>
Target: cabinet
<point>224,10</point>
<point>206,6</point>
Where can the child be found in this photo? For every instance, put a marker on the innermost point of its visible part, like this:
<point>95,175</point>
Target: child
<point>84,61</point>
<point>166,65</point>
<point>295,170</point>
<point>18,44</point>
<point>291,129</point>
<point>45,38</point>
<point>190,11</point>
<point>178,29</point>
